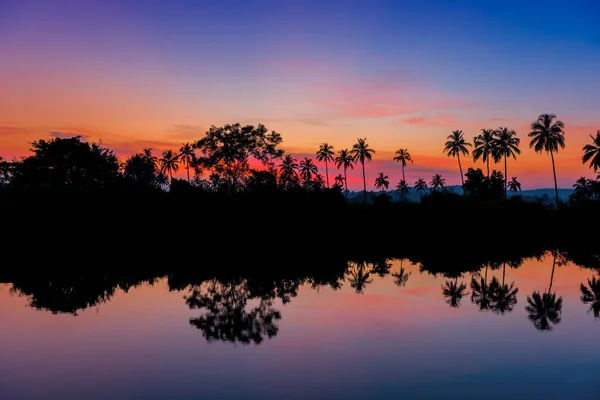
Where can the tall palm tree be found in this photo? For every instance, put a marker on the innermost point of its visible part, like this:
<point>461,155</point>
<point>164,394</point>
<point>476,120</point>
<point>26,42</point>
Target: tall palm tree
<point>591,152</point>
<point>307,169</point>
<point>455,146</point>
<point>403,157</point>
<point>147,153</point>
<point>505,296</point>
<point>545,309</point>
<point>187,155</point>
<point>437,182</point>
<point>548,134</point>
<point>402,189</point>
<point>382,181</point>
<point>361,152</point>
<point>591,294</point>
<point>288,169</point>
<point>339,181</point>
<point>345,160</point>
<point>325,153</point>
<point>453,292</point>
<point>507,145</point>
<point>485,147</point>
<point>169,163</point>
<point>514,185</point>
<point>421,185</point>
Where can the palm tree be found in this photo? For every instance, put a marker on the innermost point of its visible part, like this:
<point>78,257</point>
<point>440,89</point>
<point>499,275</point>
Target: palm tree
<point>545,309</point>
<point>505,296</point>
<point>359,276</point>
<point>421,185</point>
<point>402,189</point>
<point>548,134</point>
<point>307,169</point>
<point>482,291</point>
<point>401,277</point>
<point>147,153</point>
<point>403,157</point>
<point>583,187</point>
<point>454,292</point>
<point>591,152</point>
<point>382,181</point>
<point>345,160</point>
<point>288,168</point>
<point>507,145</point>
<point>485,147</point>
<point>339,181</point>
<point>514,185</point>
<point>437,182</point>
<point>362,152</point>
<point>455,146</point>
<point>591,294</point>
<point>325,153</point>
<point>187,155</point>
<point>169,163</point>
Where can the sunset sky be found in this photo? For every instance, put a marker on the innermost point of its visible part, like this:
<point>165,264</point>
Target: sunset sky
<point>400,73</point>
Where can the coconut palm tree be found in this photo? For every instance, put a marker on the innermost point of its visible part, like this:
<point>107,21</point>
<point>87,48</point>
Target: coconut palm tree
<point>583,187</point>
<point>437,182</point>
<point>325,153</point>
<point>382,182</point>
<point>507,145</point>
<point>421,185</point>
<point>359,276</point>
<point>345,160</point>
<point>514,185</point>
<point>482,292</point>
<point>590,294</point>
<point>361,152</point>
<point>402,189</point>
<point>505,296</point>
<point>401,277</point>
<point>307,169</point>
<point>403,157</point>
<point>147,153</point>
<point>453,292</point>
<point>187,155</point>
<point>485,147</point>
<point>545,309</point>
<point>455,146</point>
<point>288,169</point>
<point>169,163</point>
<point>548,134</point>
<point>591,152</point>
<point>339,181</point>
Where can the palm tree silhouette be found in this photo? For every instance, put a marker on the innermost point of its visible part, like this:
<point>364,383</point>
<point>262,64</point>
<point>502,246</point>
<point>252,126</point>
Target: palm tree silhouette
<point>402,189</point>
<point>591,294</point>
<point>453,292</point>
<point>545,309</point>
<point>507,145</point>
<point>169,163</point>
<point>359,276</point>
<point>505,296</point>
<point>437,182</point>
<point>401,277</point>
<point>421,185</point>
<point>547,134</point>
<point>382,181</point>
<point>187,155</point>
<point>288,169</point>
<point>147,153</point>
<point>345,160</point>
<point>485,147</point>
<point>325,153</point>
<point>455,146</point>
<point>591,152</point>
<point>362,152</point>
<point>307,169</point>
<point>403,157</point>
<point>483,292</point>
<point>514,185</point>
<point>339,181</point>
<point>583,187</point>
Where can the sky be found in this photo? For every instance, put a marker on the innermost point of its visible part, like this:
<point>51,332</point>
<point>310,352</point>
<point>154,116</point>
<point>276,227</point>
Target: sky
<point>402,74</point>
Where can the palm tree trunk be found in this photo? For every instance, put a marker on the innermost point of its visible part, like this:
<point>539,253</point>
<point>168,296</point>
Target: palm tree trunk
<point>346,183</point>
<point>327,173</point>
<point>462,178</point>
<point>488,167</point>
<point>364,180</point>
<point>552,276</point>
<point>187,166</point>
<point>554,172</point>
<point>503,272</point>
<point>505,177</point>
<point>403,178</point>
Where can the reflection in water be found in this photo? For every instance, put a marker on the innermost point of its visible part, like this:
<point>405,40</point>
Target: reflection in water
<point>590,294</point>
<point>401,277</point>
<point>505,296</point>
<point>454,292</point>
<point>358,275</point>
<point>545,309</point>
<point>482,291</point>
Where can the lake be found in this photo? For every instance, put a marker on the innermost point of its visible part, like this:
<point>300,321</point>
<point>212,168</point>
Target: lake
<point>384,330</point>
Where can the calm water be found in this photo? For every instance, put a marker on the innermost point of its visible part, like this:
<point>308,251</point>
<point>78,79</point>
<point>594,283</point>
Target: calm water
<point>407,336</point>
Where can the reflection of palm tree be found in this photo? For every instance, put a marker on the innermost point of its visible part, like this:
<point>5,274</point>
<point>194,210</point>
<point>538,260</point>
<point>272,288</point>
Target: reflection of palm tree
<point>545,309</point>
<point>401,277</point>
<point>591,294</point>
<point>483,292</point>
<point>453,292</point>
<point>359,276</point>
<point>505,296</point>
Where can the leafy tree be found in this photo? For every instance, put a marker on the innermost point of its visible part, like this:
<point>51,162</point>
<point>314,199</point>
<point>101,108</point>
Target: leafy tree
<point>477,184</point>
<point>187,157</point>
<point>514,185</point>
<point>227,150</point>
<point>288,170</point>
<point>141,168</point>
<point>345,160</point>
<point>169,163</point>
<point>507,145</point>
<point>325,153</point>
<point>454,292</point>
<point>437,182</point>
<point>339,181</point>
<point>485,147</point>
<point>421,185</point>
<point>547,134</point>
<point>402,189</point>
<point>307,169</point>
<point>361,152</point>
<point>455,146</point>
<point>382,182</point>
<point>403,157</point>
<point>591,152</point>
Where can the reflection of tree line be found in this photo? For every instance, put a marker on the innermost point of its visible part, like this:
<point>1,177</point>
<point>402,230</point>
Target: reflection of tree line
<point>243,309</point>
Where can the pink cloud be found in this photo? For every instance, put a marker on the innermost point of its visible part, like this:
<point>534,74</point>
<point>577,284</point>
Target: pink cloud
<point>440,120</point>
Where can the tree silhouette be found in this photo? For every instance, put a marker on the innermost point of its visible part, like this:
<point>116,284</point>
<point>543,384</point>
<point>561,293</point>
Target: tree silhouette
<point>421,185</point>
<point>453,292</point>
<point>187,156</point>
<point>485,147</point>
<point>325,153</point>
<point>403,157</point>
<point>545,309</point>
<point>547,134</point>
<point>514,185</point>
<point>141,167</point>
<point>437,182</point>
<point>339,181</point>
<point>507,145</point>
<point>590,294</point>
<point>382,182</point>
<point>591,152</point>
<point>505,296</point>
<point>358,275</point>
<point>401,277</point>
<point>402,189</point>
<point>307,169</point>
<point>482,292</point>
<point>345,160</point>
<point>455,146</point>
<point>361,152</point>
<point>169,163</point>
<point>288,170</point>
